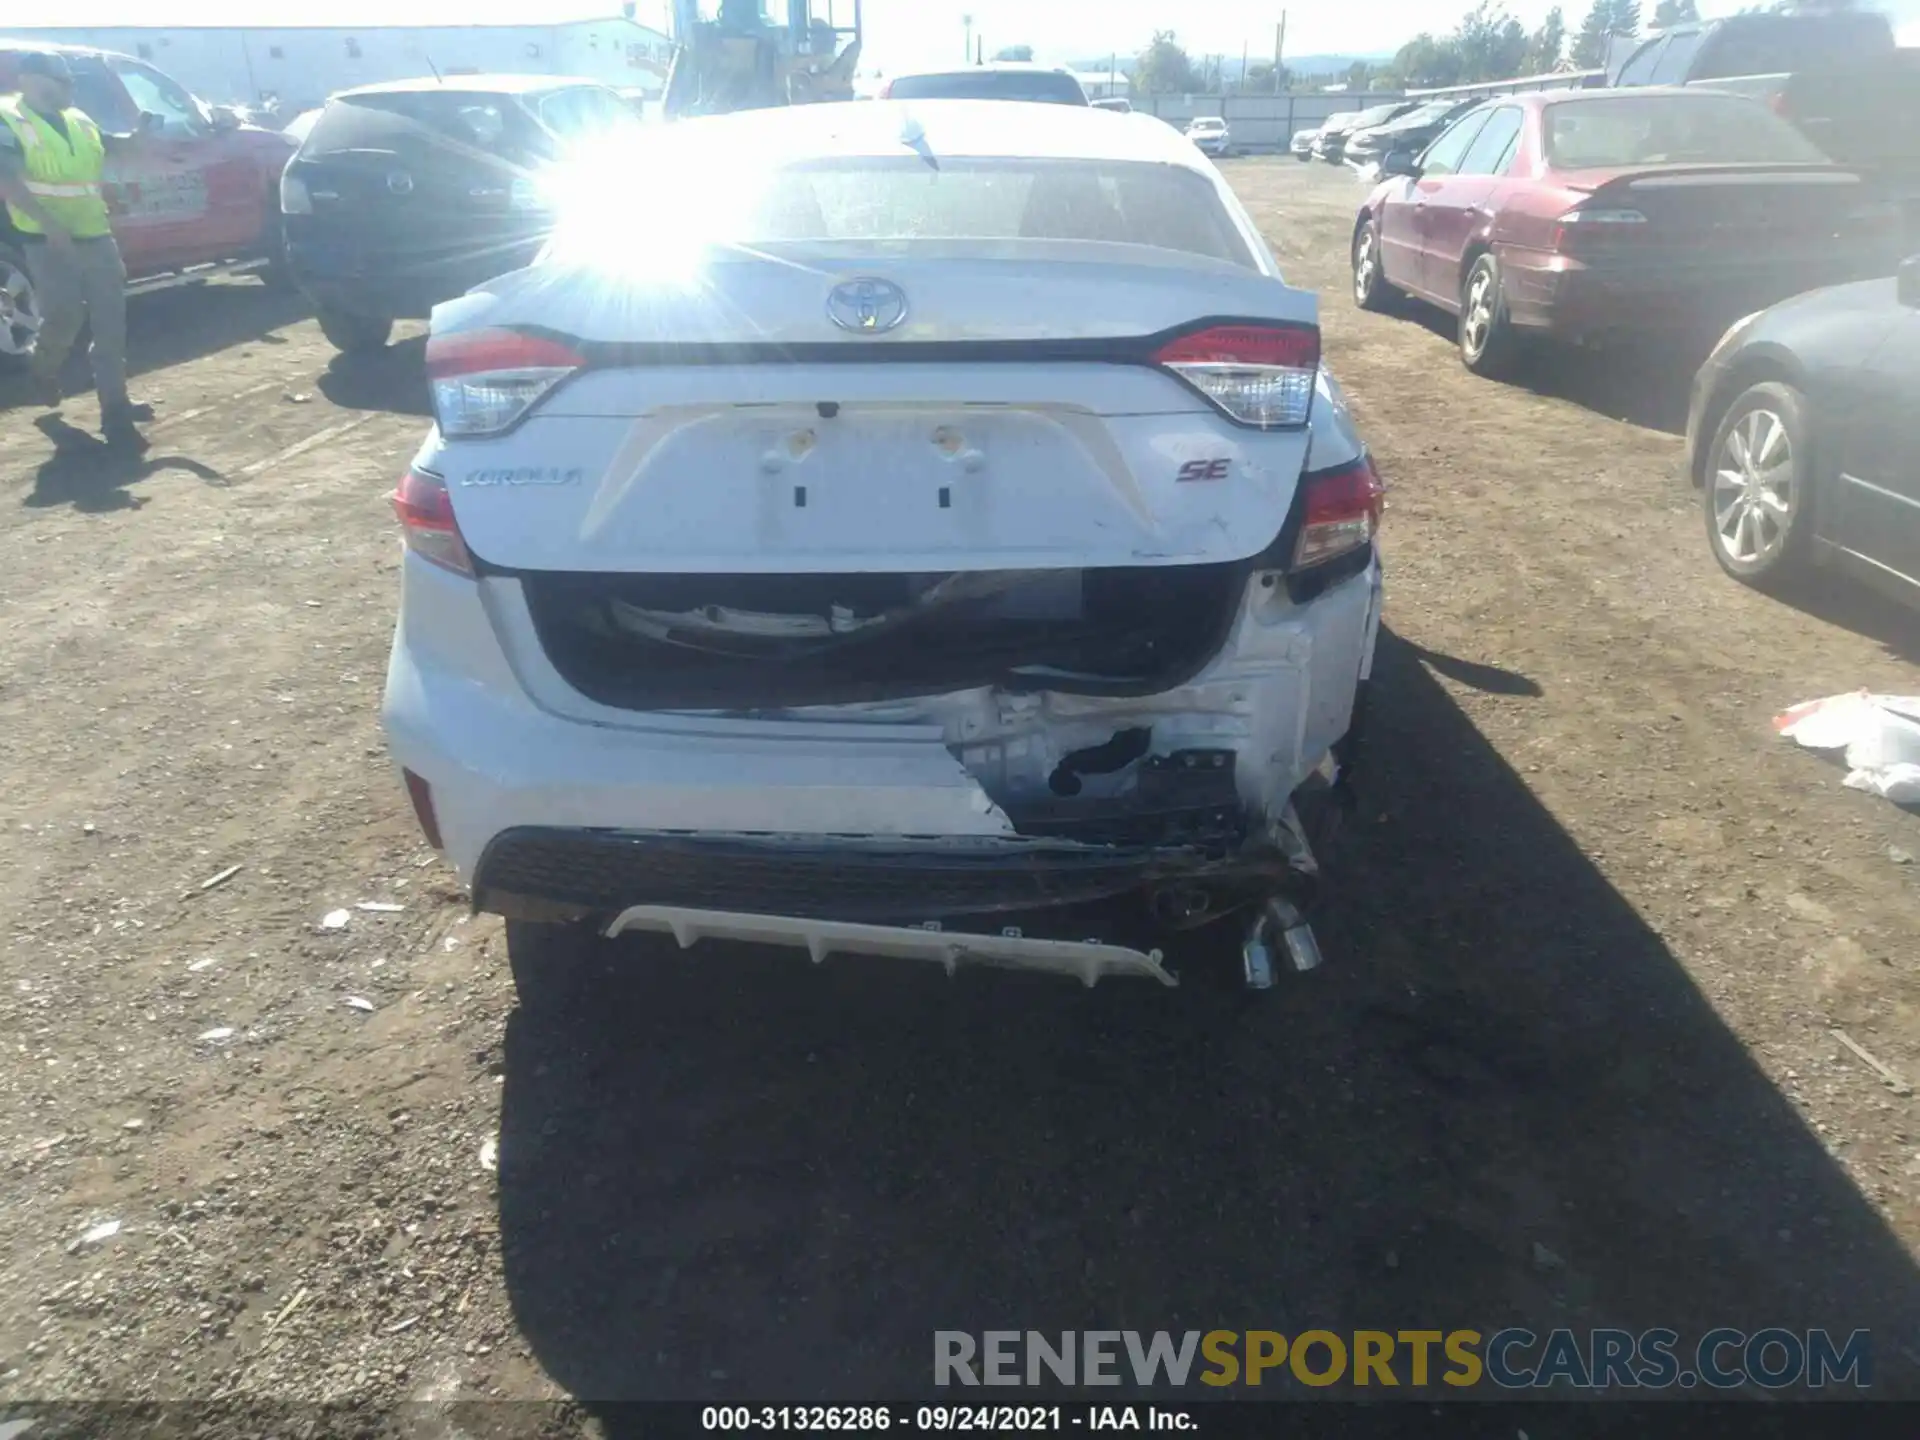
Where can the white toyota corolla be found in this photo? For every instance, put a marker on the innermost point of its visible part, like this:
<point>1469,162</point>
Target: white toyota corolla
<point>870,524</point>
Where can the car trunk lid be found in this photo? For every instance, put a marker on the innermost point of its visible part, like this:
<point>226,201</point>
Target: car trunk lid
<point>1014,417</point>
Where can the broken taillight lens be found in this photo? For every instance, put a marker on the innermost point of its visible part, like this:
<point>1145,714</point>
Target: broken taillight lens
<point>1342,512</point>
<point>485,381</point>
<point>1259,375</point>
<point>427,523</point>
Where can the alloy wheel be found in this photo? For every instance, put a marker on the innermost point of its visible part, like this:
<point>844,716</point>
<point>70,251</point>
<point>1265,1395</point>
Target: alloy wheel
<point>20,317</point>
<point>1478,323</point>
<point>1754,494</point>
<point>1364,264</point>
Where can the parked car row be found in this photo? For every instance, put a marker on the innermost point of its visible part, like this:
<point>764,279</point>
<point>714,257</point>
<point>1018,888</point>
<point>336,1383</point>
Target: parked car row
<point>1591,216</point>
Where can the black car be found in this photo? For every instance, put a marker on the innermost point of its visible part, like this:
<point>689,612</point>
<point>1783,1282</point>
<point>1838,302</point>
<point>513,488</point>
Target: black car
<point>1804,437</point>
<point>1331,145</point>
<point>1411,131</point>
<point>410,193</point>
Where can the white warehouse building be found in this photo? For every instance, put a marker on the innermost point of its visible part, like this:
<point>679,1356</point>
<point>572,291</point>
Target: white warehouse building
<point>301,65</point>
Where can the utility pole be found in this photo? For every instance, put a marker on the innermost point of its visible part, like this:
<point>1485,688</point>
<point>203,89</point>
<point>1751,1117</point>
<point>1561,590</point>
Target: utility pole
<point>967,20</point>
<point>1279,49</point>
<point>1245,50</point>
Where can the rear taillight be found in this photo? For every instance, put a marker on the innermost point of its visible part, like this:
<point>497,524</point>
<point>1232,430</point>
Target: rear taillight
<point>1780,105</point>
<point>294,197</point>
<point>427,524</point>
<point>1259,375</point>
<point>485,381</point>
<point>1577,226</point>
<point>1342,512</point>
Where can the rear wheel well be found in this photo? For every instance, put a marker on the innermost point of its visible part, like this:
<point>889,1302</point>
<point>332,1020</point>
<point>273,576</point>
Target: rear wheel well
<point>1467,261</point>
<point>1742,377</point>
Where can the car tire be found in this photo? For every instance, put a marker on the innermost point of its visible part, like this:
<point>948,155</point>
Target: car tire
<point>1757,491</point>
<point>277,274</point>
<point>19,309</point>
<point>355,334</point>
<point>1370,288</point>
<point>1489,343</point>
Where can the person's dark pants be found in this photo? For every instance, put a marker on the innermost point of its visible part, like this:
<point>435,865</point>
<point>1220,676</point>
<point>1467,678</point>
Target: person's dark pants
<point>85,284</point>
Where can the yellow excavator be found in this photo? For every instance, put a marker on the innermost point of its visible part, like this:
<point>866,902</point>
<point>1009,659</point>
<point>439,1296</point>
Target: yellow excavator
<point>733,55</point>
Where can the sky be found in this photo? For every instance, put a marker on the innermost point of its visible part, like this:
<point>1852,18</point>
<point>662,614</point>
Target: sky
<point>906,34</point>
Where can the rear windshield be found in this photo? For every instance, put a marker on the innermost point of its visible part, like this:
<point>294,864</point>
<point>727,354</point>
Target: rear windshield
<point>1671,130</point>
<point>1042,86</point>
<point>1772,44</point>
<point>1166,207</point>
<point>493,123</point>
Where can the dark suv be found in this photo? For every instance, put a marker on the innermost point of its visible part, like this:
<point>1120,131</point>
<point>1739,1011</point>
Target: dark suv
<point>410,193</point>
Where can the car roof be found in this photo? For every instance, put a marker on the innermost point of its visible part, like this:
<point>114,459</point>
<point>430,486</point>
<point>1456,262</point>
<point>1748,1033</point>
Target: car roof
<point>470,85</point>
<point>1015,67</point>
<point>11,46</point>
<point>974,128</point>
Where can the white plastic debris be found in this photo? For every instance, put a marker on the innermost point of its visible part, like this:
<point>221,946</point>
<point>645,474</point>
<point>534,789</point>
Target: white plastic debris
<point>1879,733</point>
<point>380,907</point>
<point>98,1235</point>
<point>201,964</point>
<point>217,1034</point>
<point>335,920</point>
<point>490,1155</point>
<point>358,1002</point>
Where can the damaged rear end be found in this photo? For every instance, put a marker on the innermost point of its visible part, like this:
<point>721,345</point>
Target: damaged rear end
<point>967,583</point>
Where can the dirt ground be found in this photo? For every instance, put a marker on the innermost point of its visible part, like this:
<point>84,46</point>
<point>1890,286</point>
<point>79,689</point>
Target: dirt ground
<point>1571,1062</point>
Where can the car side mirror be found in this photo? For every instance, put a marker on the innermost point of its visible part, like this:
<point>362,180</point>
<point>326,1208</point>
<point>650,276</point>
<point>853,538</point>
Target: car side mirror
<point>1907,285</point>
<point>150,123</point>
<point>1400,162</point>
<point>225,118</point>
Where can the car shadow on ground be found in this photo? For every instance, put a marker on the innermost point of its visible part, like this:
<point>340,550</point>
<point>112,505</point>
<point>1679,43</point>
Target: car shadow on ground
<point>1853,605</point>
<point>1648,385</point>
<point>171,327</point>
<point>92,476</point>
<point>393,379</point>
<point>731,1173</point>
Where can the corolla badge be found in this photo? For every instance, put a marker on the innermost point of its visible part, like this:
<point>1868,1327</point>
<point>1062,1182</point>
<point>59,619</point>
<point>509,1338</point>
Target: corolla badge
<point>867,306</point>
<point>528,475</point>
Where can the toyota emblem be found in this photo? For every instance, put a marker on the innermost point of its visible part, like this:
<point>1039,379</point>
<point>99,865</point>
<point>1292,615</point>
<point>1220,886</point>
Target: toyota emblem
<point>867,306</point>
<point>400,182</point>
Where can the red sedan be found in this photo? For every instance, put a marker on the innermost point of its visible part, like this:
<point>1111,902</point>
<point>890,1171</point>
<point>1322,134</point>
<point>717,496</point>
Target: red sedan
<point>1582,215</point>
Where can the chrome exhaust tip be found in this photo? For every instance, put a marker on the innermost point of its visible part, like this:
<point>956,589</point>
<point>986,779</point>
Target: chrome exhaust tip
<point>1278,923</point>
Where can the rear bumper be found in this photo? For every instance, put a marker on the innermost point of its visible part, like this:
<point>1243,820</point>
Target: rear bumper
<point>1569,300</point>
<point>387,285</point>
<point>547,803</point>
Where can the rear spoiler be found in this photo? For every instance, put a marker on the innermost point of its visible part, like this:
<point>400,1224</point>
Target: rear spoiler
<point>1656,176</point>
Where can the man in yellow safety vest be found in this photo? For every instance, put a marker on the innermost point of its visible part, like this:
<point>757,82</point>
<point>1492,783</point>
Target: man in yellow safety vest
<point>51,159</point>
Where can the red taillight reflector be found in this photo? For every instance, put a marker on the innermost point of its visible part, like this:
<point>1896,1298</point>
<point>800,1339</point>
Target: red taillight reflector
<point>1258,375</point>
<point>427,522</point>
<point>1295,347</point>
<point>474,352</point>
<point>421,794</point>
<point>1343,509</point>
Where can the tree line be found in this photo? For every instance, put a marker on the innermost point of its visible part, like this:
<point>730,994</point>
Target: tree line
<point>1486,44</point>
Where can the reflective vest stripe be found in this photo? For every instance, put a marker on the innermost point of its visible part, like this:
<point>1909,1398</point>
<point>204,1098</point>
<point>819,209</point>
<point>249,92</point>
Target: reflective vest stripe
<point>62,192</point>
